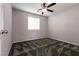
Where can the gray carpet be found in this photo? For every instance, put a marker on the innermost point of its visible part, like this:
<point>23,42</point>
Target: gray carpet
<point>44,47</point>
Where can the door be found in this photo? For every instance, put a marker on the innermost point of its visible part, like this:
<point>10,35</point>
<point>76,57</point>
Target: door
<point>1,24</point>
<point>5,29</point>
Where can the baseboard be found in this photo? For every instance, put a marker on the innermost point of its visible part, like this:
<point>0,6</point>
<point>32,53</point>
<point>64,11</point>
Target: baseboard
<point>27,40</point>
<point>48,38</point>
<point>65,41</point>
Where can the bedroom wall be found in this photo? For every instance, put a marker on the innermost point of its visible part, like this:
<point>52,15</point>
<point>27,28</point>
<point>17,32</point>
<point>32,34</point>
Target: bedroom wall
<point>64,26</point>
<point>20,30</point>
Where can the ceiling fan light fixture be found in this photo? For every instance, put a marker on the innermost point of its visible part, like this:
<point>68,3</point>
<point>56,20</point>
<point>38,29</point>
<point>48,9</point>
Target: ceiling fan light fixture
<point>44,10</point>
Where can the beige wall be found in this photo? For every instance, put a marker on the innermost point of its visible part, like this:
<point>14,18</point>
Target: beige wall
<point>65,25</point>
<point>20,23</point>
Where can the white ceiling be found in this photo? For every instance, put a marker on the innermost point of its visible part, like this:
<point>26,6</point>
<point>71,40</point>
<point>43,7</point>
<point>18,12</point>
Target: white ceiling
<point>33,7</point>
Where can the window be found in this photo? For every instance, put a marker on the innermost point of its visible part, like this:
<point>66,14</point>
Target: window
<point>33,23</point>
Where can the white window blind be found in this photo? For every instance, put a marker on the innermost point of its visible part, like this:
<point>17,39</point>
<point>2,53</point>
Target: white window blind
<point>33,23</point>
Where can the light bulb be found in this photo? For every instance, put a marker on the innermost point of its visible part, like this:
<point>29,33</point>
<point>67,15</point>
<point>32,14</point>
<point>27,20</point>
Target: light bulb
<point>44,10</point>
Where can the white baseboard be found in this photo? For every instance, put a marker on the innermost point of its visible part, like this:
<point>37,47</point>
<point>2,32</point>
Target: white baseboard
<point>66,41</point>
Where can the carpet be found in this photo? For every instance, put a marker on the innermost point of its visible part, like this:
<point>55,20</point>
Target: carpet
<point>44,47</point>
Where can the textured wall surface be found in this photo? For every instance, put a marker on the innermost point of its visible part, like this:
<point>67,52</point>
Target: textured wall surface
<point>65,25</point>
<point>20,26</point>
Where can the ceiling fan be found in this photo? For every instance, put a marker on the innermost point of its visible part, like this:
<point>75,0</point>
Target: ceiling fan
<point>45,7</point>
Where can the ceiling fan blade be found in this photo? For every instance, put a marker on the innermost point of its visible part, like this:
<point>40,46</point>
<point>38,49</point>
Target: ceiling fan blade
<point>44,4</point>
<point>51,5</point>
<point>49,10</point>
<point>42,13</point>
